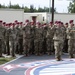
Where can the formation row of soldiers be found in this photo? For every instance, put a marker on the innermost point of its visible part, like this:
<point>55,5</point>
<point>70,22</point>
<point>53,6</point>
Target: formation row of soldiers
<point>38,39</point>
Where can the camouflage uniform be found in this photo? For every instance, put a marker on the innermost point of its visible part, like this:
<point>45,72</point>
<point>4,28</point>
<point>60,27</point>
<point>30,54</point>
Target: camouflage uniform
<point>12,39</point>
<point>8,31</point>
<point>44,39</point>
<point>38,41</point>
<point>26,39</point>
<point>17,29</point>
<point>32,39</point>
<point>20,41</point>
<point>2,32</point>
<point>71,41</point>
<point>4,41</point>
<point>50,43</point>
<point>65,49</point>
<point>63,29</point>
<point>58,43</point>
<point>19,38</point>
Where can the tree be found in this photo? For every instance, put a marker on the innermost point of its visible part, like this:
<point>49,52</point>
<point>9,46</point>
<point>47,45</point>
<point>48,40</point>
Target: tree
<point>16,6</point>
<point>0,5</point>
<point>26,9</point>
<point>46,9</point>
<point>71,8</point>
<point>41,9</point>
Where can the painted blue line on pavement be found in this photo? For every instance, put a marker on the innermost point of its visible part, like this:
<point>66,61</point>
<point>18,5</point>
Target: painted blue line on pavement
<point>37,70</point>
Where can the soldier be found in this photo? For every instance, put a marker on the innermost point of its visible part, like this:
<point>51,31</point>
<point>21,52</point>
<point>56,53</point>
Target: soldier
<point>58,41</point>
<point>4,41</point>
<point>38,39</point>
<point>17,35</point>
<point>45,27</point>
<point>2,32</point>
<point>32,37</point>
<point>13,39</point>
<point>50,34</point>
<point>66,39</point>
<point>26,38</point>
<point>8,32</point>
<point>20,38</point>
<point>64,34</point>
<point>71,39</point>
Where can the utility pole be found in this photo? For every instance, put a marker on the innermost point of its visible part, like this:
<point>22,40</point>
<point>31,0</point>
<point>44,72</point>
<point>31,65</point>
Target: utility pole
<point>52,11</point>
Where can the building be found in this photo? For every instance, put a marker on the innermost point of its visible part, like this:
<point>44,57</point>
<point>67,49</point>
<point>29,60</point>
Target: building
<point>46,17</point>
<point>9,15</point>
<point>41,17</point>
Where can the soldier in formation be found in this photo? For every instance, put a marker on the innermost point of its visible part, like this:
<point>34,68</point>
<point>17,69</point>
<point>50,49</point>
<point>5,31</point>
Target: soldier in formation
<point>2,37</point>
<point>27,38</point>
<point>49,36</point>
<point>71,39</point>
<point>36,38</point>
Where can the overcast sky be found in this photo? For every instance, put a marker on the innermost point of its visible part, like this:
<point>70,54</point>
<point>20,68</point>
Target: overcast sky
<point>60,5</point>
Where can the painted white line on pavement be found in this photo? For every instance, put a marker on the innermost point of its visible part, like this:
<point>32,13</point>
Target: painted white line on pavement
<point>12,60</point>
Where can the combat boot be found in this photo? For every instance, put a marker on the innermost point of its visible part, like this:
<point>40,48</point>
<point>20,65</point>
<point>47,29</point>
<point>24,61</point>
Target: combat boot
<point>71,56</point>
<point>58,59</point>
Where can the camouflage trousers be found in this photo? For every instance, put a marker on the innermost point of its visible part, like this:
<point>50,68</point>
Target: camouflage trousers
<point>7,46</point>
<point>38,47</point>
<point>65,47</point>
<point>20,46</point>
<point>58,45</point>
<point>4,47</point>
<point>71,47</point>
<point>12,47</point>
<point>26,45</point>
<point>1,47</point>
<point>50,44</point>
<point>32,46</point>
<point>44,46</point>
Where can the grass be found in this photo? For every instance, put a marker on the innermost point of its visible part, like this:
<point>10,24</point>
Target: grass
<point>5,60</point>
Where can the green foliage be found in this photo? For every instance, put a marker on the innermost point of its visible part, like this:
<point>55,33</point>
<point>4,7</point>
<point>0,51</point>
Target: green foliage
<point>71,8</point>
<point>27,9</point>
<point>4,60</point>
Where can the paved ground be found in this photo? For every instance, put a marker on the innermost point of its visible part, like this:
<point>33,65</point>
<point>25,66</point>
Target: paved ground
<point>39,65</point>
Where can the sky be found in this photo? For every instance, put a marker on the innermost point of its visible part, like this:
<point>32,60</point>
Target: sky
<point>60,5</point>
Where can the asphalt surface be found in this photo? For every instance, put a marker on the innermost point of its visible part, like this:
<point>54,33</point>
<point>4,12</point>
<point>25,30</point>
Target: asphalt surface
<point>20,66</point>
